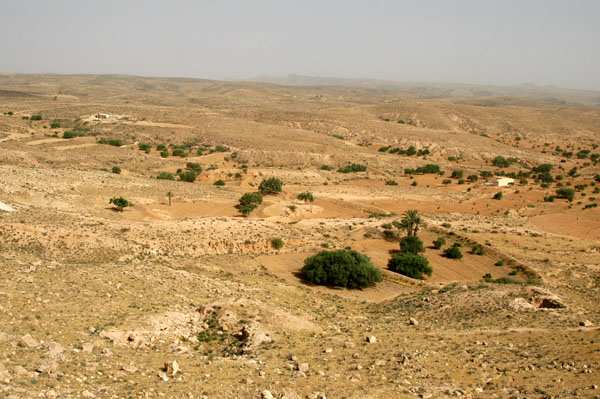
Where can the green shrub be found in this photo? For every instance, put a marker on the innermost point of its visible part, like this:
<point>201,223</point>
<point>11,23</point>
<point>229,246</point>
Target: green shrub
<point>457,174</point>
<point>161,147</point>
<point>472,178</point>
<point>188,176</point>
<point>446,181</point>
<point>325,167</point>
<point>270,186</point>
<point>352,168</point>
<point>306,197</point>
<point>116,169</point>
<point>165,176</point>
<point>120,203</point>
<point>36,117</point>
<point>410,265</point>
<point>115,142</point>
<point>341,268</point>
<point>411,244</point>
<point>221,148</point>
<point>194,166</point>
<point>391,183</point>
<point>55,125</point>
<point>219,183</point>
<point>567,193</point>
<point>499,263</point>
<point>512,273</point>
<point>277,243</point>
<point>164,153</point>
<point>248,202</point>
<point>477,250</point>
<point>498,195</point>
<point>144,146</point>
<point>501,162</point>
<point>439,242</point>
<point>179,152</point>
<point>453,252</point>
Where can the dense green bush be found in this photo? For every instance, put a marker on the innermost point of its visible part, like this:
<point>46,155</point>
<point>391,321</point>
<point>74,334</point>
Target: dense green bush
<point>439,242</point>
<point>188,176</point>
<point>325,167</point>
<point>115,142</point>
<point>161,147</point>
<point>411,265</point>
<point>179,152</point>
<point>219,183</point>
<point>54,124</point>
<point>355,167</point>
<point>145,146</point>
<point>194,166</point>
<point>164,153</point>
<point>567,193</point>
<point>501,162</point>
<point>457,174</point>
<point>120,203</point>
<point>391,183</point>
<point>165,176</point>
<point>498,195</point>
<point>277,243</point>
<point>116,169</point>
<point>270,186</point>
<point>477,250</point>
<point>306,197</point>
<point>248,202</point>
<point>37,117</point>
<point>411,244</point>
<point>341,268</point>
<point>453,252</point>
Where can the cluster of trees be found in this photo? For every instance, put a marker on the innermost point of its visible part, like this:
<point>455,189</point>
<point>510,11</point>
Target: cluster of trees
<point>355,167</point>
<point>249,201</point>
<point>410,151</point>
<point>427,169</point>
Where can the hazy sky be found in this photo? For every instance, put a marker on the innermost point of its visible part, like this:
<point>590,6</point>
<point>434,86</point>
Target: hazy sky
<point>501,42</point>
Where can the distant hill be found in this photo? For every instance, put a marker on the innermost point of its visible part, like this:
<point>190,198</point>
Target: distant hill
<point>549,94</point>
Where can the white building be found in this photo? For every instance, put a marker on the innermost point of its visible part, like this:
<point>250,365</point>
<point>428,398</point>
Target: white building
<point>504,181</point>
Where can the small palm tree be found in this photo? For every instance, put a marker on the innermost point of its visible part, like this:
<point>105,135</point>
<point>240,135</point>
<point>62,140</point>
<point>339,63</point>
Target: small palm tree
<point>411,221</point>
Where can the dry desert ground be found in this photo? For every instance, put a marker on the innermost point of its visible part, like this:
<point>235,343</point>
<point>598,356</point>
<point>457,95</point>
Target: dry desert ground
<point>181,296</point>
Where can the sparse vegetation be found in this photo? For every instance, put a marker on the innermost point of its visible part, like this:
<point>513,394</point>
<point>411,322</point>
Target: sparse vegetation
<point>352,168</point>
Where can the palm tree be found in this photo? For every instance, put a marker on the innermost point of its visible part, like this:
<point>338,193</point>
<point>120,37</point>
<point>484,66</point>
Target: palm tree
<point>411,222</point>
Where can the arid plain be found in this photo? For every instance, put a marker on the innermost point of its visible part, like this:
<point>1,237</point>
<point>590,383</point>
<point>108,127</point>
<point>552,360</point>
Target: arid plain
<point>181,296</point>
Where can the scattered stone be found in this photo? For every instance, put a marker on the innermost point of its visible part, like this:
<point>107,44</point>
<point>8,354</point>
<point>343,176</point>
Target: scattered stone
<point>88,347</point>
<point>129,368</point>
<point>317,395</point>
<point>87,395</point>
<point>267,394</point>
<point>371,339</point>
<point>289,394</point>
<point>302,367</point>
<point>413,322</point>
<point>55,350</point>
<point>586,323</point>
<point>328,350</point>
<point>4,337</point>
<point>27,341</point>
<point>349,344</point>
<point>163,376</point>
<point>172,368</point>
<point>47,366</point>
